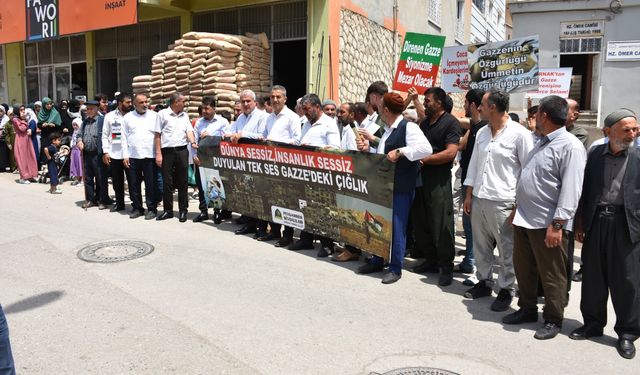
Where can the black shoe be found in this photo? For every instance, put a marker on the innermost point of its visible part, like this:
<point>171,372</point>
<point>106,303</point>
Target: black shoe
<point>577,277</point>
<point>459,268</point>
<point>116,208</point>
<point>478,291</point>
<point>548,331</point>
<point>183,216</point>
<point>269,237</point>
<point>150,215</point>
<point>165,215</point>
<point>502,301</point>
<point>521,316</point>
<point>246,230</point>
<point>202,216</point>
<point>370,268</point>
<point>135,214</point>
<point>587,331</point>
<point>217,218</point>
<point>391,277</point>
<point>426,268</point>
<point>258,234</point>
<point>324,252</point>
<point>446,278</point>
<point>301,245</point>
<point>284,242</point>
<point>625,348</point>
<point>225,215</point>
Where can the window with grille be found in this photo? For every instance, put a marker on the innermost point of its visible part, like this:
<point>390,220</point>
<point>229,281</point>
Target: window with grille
<point>435,7</point>
<point>581,45</point>
<point>125,52</point>
<point>479,4</point>
<point>55,68</point>
<point>280,22</point>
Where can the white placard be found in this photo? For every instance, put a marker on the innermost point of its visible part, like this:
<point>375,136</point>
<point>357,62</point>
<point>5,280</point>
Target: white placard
<point>454,69</point>
<point>623,51</point>
<point>553,82</point>
<point>581,29</point>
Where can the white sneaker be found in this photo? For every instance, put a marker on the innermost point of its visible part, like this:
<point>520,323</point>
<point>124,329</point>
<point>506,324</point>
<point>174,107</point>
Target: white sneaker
<point>57,191</point>
<point>24,182</point>
<point>79,184</point>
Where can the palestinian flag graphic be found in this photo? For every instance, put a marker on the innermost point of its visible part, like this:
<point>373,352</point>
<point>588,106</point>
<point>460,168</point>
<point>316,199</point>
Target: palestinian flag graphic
<point>372,222</point>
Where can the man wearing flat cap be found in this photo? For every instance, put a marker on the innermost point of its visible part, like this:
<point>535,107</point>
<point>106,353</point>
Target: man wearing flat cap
<point>608,222</point>
<point>90,143</point>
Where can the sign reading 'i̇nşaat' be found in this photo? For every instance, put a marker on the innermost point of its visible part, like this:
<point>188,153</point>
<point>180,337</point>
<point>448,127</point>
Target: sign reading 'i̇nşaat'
<point>32,20</point>
<point>419,62</point>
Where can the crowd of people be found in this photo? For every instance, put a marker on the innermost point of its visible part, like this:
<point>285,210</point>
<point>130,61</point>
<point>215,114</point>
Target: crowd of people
<point>528,190</point>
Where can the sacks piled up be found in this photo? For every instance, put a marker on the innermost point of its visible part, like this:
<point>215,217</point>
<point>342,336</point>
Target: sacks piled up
<point>142,84</point>
<point>202,64</point>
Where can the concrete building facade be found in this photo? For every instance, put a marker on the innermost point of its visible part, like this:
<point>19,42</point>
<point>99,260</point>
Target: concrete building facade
<point>578,34</point>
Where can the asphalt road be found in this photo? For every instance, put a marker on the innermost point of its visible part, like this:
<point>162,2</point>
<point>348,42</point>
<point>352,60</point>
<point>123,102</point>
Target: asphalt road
<point>209,302</point>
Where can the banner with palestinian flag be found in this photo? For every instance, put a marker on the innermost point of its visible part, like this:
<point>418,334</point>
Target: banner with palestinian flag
<point>372,222</point>
<point>419,62</point>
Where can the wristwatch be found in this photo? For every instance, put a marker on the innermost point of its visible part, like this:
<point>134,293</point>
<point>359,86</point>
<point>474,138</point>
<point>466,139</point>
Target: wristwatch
<point>557,225</point>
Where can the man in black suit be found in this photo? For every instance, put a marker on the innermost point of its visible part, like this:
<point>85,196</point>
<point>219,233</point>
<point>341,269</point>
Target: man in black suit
<point>608,222</point>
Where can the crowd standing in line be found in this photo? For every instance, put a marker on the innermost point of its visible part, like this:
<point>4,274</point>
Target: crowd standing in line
<point>525,190</point>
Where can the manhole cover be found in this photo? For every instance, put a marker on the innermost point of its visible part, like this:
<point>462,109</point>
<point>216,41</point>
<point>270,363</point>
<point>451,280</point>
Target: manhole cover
<point>419,371</point>
<point>114,251</point>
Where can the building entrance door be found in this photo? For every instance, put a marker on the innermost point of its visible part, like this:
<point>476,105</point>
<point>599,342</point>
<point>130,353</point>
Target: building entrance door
<point>582,77</point>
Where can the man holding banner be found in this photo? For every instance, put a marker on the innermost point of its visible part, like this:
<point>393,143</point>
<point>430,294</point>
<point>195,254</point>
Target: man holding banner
<point>405,145</point>
<point>320,130</point>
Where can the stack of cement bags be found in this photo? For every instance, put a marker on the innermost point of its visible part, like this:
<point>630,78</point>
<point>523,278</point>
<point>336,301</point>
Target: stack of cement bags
<point>142,84</point>
<point>201,64</point>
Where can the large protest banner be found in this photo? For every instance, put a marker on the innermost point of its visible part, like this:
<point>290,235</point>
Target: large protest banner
<point>510,65</point>
<point>344,195</point>
<point>419,62</point>
<point>553,82</point>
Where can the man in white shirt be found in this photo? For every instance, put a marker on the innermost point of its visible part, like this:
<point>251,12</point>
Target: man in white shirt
<point>112,148</point>
<point>173,132</point>
<point>251,122</point>
<point>138,155</point>
<point>319,131</point>
<point>283,125</point>
<point>500,151</point>
<point>346,118</point>
<point>405,145</point>
<point>210,124</point>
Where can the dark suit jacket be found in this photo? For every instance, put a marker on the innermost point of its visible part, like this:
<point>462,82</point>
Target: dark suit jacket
<point>592,189</point>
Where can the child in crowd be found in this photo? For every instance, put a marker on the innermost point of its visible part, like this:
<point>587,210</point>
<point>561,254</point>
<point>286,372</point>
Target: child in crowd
<point>76,156</point>
<point>50,152</point>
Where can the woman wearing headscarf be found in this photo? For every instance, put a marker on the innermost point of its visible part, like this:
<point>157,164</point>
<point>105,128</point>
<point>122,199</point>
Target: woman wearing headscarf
<point>9,135</point>
<point>4,150</point>
<point>67,127</point>
<point>32,120</point>
<point>49,122</point>
<point>23,148</point>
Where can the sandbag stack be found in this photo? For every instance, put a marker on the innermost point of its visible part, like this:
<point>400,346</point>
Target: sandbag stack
<point>201,64</point>
<point>142,84</point>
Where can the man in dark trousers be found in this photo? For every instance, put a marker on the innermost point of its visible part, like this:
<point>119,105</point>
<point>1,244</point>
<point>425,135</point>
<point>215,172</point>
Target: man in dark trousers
<point>608,222</point>
<point>433,205</point>
<point>90,143</point>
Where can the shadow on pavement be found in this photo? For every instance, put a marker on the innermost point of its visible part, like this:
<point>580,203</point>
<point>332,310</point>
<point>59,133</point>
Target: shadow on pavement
<point>33,302</point>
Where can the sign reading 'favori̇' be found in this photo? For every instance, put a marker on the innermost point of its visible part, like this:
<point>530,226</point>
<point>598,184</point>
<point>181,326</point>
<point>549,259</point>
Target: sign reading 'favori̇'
<point>419,62</point>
